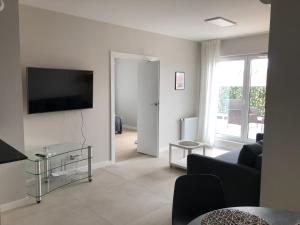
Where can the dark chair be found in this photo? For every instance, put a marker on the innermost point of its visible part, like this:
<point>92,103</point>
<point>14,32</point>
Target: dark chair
<point>235,109</point>
<point>195,195</point>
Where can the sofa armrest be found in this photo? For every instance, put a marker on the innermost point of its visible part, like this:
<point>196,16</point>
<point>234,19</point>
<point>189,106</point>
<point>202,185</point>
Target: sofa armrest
<point>241,183</point>
<point>259,137</point>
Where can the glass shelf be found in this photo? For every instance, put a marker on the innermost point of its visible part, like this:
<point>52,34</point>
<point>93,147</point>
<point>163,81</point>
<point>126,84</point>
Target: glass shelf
<point>53,183</point>
<point>55,166</point>
<point>55,150</point>
<point>55,160</point>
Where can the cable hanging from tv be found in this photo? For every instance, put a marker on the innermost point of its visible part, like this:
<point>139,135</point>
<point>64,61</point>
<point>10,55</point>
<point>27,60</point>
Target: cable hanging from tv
<point>82,130</point>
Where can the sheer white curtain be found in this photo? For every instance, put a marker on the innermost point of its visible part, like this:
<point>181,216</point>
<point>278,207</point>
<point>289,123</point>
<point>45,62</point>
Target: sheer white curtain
<point>210,51</point>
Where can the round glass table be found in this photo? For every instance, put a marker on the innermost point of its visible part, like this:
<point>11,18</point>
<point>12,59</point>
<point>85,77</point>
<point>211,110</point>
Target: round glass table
<point>272,216</point>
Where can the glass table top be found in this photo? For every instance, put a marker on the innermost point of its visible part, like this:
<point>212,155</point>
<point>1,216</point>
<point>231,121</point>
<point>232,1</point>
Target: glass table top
<point>39,154</point>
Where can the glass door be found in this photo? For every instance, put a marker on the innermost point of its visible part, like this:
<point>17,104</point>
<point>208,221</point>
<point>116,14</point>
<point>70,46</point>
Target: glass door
<point>230,85</point>
<point>257,96</point>
<point>241,85</point>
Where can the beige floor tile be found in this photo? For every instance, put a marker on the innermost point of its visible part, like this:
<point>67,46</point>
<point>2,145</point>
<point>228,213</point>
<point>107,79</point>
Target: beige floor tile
<point>69,213</point>
<point>125,145</point>
<point>137,167</point>
<point>53,200</point>
<point>137,191</point>
<point>161,216</point>
<point>123,203</point>
<point>102,180</point>
<point>161,182</point>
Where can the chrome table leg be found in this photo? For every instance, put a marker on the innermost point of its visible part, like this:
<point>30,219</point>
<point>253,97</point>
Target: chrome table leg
<point>38,182</point>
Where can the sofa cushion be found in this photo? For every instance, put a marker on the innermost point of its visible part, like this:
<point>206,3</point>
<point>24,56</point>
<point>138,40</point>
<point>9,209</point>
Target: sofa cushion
<point>259,137</point>
<point>231,157</point>
<point>248,155</point>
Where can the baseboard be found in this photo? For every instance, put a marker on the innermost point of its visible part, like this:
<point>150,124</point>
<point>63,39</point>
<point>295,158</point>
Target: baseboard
<point>129,127</point>
<point>99,165</point>
<point>27,200</point>
<point>96,166</point>
<point>164,149</point>
<point>16,204</point>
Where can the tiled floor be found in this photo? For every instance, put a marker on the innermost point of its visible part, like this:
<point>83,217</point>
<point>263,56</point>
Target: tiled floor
<point>136,192</point>
<point>126,147</point>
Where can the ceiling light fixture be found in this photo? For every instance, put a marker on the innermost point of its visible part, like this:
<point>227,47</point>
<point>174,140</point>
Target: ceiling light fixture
<point>1,5</point>
<point>221,22</point>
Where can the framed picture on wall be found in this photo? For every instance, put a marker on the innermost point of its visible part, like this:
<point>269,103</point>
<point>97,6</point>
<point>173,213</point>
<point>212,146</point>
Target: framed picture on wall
<point>179,80</point>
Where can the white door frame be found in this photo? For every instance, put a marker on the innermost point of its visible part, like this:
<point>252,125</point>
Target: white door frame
<point>113,57</point>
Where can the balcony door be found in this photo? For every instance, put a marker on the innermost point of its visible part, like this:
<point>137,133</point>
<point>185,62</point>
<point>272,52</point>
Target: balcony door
<point>241,85</point>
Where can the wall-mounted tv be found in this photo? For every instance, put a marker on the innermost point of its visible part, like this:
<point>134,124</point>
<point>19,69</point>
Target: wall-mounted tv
<point>52,90</point>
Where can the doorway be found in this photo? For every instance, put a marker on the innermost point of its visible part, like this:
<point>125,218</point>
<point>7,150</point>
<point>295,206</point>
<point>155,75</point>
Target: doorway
<point>134,106</point>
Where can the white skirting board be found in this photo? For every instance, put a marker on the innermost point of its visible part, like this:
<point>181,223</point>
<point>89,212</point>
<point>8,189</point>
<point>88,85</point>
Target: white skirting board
<point>129,127</point>
<point>164,149</point>
<point>101,164</point>
<point>16,204</point>
<point>28,200</point>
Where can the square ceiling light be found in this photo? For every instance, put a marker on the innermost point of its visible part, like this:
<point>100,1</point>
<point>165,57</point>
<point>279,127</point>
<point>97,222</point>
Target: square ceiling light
<point>221,22</point>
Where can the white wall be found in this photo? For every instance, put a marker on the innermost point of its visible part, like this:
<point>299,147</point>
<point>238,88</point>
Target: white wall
<point>255,44</point>
<point>281,157</point>
<point>11,111</point>
<point>127,91</point>
<point>50,39</point>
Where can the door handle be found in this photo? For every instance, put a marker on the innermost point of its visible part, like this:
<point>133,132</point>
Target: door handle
<point>155,104</point>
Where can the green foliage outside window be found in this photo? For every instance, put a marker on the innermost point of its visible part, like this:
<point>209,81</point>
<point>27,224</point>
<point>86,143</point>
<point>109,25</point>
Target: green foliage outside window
<point>227,93</point>
<point>257,98</point>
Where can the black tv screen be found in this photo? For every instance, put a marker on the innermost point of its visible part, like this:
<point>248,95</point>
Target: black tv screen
<point>52,90</point>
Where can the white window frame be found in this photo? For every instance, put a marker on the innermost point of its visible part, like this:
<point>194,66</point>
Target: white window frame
<point>245,98</point>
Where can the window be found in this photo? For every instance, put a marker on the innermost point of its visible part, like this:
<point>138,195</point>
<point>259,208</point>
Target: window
<point>241,85</point>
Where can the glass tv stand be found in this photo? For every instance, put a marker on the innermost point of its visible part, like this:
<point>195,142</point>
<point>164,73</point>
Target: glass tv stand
<point>55,166</point>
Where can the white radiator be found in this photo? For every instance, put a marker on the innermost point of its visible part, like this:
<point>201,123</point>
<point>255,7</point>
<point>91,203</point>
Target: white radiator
<point>189,128</point>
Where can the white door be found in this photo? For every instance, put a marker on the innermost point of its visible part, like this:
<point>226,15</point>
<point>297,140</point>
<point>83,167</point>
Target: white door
<point>148,108</point>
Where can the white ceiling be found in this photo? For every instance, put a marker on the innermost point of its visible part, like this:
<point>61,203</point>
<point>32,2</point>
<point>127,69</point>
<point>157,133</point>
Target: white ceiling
<point>179,18</point>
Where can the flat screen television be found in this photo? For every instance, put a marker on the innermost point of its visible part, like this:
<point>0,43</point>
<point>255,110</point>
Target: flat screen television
<point>52,90</point>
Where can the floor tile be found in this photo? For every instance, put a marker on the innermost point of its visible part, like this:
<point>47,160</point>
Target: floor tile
<point>70,213</point>
<point>137,191</point>
<point>124,203</point>
<point>160,216</point>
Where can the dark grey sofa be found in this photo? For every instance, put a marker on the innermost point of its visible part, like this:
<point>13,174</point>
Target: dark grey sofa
<point>239,172</point>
